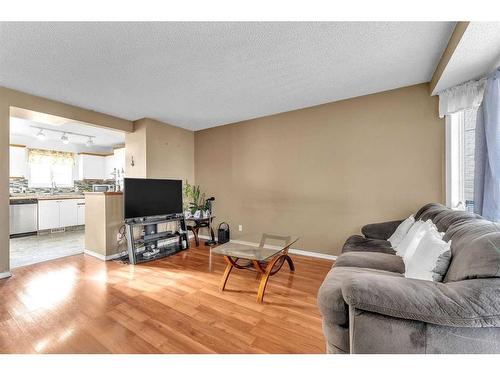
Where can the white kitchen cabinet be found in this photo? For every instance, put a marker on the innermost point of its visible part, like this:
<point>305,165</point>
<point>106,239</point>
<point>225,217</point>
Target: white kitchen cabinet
<point>80,212</point>
<point>17,161</point>
<point>48,214</point>
<point>114,162</point>
<point>119,155</point>
<point>67,213</point>
<point>59,213</point>
<point>109,167</point>
<point>91,167</point>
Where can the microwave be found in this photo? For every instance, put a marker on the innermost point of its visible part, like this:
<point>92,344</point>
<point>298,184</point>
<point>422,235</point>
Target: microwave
<point>103,188</point>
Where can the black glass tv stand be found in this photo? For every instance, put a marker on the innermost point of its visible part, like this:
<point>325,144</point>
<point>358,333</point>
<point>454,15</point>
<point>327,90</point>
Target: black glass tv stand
<point>145,243</point>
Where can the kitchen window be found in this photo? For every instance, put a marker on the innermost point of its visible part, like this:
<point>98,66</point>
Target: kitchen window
<point>50,169</point>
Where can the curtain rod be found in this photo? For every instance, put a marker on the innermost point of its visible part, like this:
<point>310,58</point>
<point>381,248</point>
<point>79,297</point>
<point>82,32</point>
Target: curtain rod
<point>475,80</point>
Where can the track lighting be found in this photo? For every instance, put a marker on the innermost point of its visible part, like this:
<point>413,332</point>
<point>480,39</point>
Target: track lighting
<point>65,139</point>
<point>40,135</point>
<point>65,135</point>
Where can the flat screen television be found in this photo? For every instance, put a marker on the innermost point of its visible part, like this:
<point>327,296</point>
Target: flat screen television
<point>146,197</point>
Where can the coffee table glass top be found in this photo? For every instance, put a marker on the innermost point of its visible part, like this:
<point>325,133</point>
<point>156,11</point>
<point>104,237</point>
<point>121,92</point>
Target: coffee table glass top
<point>255,246</point>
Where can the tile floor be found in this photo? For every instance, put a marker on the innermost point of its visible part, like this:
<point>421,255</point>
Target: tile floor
<point>35,249</point>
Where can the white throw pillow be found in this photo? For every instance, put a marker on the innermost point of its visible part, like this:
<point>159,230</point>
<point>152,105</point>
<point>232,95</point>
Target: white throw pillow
<point>422,264</point>
<point>407,246</point>
<point>401,231</point>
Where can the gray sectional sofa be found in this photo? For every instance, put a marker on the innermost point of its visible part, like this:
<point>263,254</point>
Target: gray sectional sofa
<point>368,306</point>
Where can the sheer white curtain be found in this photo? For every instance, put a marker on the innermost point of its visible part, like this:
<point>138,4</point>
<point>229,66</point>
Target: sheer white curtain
<point>464,96</point>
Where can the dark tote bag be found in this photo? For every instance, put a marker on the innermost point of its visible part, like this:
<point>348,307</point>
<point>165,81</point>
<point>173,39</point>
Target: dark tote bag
<point>223,233</point>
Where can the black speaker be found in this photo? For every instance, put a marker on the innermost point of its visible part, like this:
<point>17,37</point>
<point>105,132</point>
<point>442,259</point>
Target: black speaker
<point>223,233</point>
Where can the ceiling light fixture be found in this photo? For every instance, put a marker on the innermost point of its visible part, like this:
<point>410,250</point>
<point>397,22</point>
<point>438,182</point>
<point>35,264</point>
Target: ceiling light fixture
<point>65,135</point>
<point>40,135</point>
<point>65,139</point>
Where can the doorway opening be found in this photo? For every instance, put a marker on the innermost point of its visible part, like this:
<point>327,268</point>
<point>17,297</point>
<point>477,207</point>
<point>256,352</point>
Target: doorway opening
<point>54,161</point>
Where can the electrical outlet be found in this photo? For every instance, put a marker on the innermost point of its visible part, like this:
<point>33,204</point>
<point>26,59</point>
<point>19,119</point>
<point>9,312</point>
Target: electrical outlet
<point>240,228</point>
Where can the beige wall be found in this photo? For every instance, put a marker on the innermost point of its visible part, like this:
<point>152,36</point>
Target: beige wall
<point>4,185</point>
<point>323,172</point>
<point>319,172</point>
<point>18,99</point>
<point>135,149</point>
<point>160,151</point>
<point>103,220</point>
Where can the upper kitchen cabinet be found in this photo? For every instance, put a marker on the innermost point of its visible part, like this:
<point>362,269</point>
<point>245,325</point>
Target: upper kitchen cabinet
<point>109,165</point>
<point>115,161</point>
<point>17,161</point>
<point>100,167</point>
<point>91,166</point>
<point>120,158</point>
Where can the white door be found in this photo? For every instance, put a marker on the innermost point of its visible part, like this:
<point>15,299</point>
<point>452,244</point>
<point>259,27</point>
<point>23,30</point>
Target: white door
<point>68,214</point>
<point>48,214</point>
<point>80,213</point>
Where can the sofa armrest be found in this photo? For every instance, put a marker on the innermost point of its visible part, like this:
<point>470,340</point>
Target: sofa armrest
<point>380,231</point>
<point>468,303</point>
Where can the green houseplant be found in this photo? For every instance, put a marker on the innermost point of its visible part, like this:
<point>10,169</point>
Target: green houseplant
<point>194,199</point>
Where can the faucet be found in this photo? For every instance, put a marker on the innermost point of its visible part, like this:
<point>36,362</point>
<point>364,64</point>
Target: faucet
<point>53,187</point>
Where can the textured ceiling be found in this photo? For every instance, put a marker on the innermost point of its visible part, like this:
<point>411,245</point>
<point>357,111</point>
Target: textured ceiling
<point>477,54</point>
<point>199,75</point>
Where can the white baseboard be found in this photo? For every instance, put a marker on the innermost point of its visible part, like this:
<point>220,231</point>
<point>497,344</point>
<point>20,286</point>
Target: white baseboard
<point>100,256</point>
<point>4,275</point>
<point>311,254</point>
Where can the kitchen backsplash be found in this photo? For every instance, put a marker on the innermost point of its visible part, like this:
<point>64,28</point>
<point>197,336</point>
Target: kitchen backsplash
<point>19,185</point>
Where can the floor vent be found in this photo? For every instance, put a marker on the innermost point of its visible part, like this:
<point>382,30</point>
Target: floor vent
<point>58,230</point>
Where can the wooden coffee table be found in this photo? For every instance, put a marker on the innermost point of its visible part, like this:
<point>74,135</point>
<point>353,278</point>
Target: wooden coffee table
<point>266,253</point>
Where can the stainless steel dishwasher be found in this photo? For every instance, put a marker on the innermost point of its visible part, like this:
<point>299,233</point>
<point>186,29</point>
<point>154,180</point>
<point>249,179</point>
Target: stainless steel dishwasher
<point>23,217</point>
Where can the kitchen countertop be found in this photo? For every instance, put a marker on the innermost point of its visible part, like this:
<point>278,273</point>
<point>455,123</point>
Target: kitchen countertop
<point>103,193</point>
<point>41,197</point>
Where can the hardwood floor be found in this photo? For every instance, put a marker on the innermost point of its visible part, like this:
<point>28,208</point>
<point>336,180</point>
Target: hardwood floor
<point>80,304</point>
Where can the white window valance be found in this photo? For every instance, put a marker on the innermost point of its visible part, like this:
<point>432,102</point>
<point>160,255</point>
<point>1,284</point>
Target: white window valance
<point>464,96</point>
<point>37,156</point>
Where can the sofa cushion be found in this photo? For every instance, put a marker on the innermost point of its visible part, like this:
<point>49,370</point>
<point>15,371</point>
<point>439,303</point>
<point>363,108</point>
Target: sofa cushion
<point>479,258</point>
<point>468,303</point>
<point>474,253</point>
<point>446,218</point>
<point>330,301</point>
<point>381,231</point>
<point>429,211</point>
<point>360,243</point>
<point>377,261</point>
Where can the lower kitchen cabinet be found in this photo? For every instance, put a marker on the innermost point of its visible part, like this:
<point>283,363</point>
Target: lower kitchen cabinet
<point>59,213</point>
<point>48,214</point>
<point>80,213</point>
<point>67,213</point>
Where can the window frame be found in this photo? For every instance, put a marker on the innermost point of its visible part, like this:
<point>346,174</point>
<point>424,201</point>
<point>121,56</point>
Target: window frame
<point>455,170</point>
<point>49,184</point>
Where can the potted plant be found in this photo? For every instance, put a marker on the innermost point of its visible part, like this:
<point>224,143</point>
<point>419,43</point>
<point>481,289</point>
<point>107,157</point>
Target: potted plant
<point>194,199</point>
